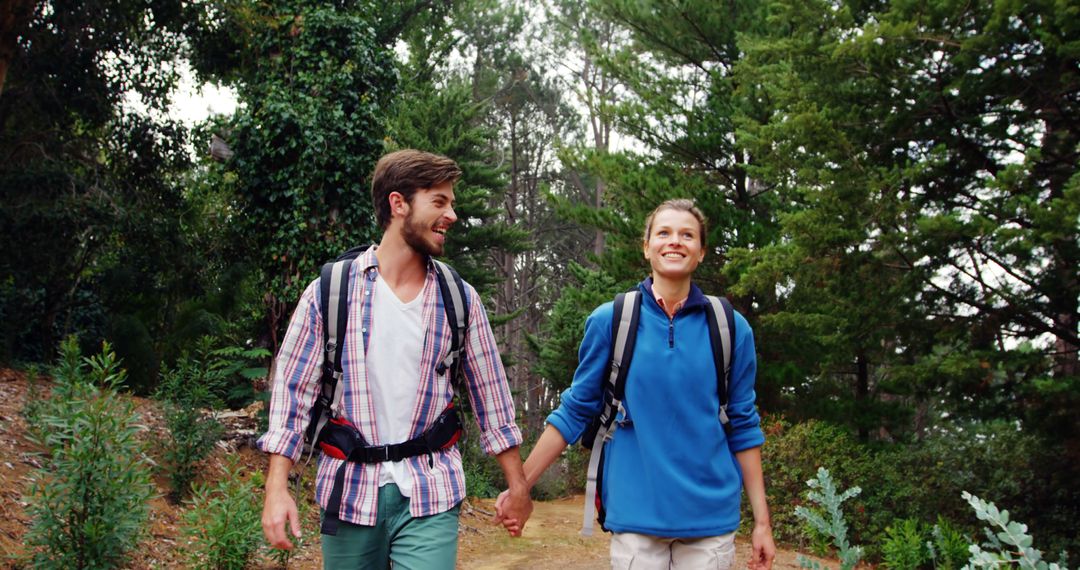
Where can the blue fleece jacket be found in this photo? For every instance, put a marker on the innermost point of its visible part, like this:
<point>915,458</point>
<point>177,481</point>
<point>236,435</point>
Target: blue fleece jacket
<point>672,471</point>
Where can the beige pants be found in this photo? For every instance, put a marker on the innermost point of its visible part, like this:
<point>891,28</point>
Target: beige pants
<point>631,551</point>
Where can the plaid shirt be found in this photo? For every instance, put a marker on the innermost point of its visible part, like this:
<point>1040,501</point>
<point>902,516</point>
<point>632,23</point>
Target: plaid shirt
<point>436,487</point>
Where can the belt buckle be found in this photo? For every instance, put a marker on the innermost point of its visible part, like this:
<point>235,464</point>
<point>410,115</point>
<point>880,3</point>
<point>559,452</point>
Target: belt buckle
<point>382,451</point>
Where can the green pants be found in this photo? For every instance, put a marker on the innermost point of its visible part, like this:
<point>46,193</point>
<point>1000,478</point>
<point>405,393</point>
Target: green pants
<point>424,543</point>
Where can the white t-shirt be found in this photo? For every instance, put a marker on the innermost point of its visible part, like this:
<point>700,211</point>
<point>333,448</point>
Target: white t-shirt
<point>393,361</point>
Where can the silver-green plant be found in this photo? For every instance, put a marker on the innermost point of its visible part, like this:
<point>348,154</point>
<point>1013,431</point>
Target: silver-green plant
<point>1009,541</point>
<point>823,492</point>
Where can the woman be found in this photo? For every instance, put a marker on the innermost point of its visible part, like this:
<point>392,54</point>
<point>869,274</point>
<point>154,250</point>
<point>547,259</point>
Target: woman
<point>672,477</point>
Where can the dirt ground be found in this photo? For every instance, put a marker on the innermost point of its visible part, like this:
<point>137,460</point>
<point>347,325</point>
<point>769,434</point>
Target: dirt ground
<point>551,539</point>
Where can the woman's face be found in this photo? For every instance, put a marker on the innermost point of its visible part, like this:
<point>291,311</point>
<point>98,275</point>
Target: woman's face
<point>674,246</point>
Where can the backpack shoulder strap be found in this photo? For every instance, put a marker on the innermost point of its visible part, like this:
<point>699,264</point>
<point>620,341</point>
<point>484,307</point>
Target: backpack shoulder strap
<point>624,325</point>
<point>721,317</point>
<point>334,308</point>
<point>456,305</point>
<point>626,311</point>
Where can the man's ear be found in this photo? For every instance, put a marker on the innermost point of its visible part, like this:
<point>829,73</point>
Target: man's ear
<point>398,204</point>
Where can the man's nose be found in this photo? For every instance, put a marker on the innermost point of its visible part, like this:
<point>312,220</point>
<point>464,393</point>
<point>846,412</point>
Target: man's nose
<point>450,214</point>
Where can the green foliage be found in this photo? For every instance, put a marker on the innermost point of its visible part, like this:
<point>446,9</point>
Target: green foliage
<point>89,502</point>
<point>792,456</point>
<point>904,547</point>
<point>948,547</point>
<point>35,402</point>
<point>189,392</point>
<point>560,335</point>
<point>922,480</point>
<point>184,392</point>
<point>313,83</point>
<point>483,478</point>
<point>223,525</point>
<point>237,367</point>
<point>908,546</point>
<point>911,198</point>
<point>830,523</point>
<point>88,182</point>
<point>1008,541</point>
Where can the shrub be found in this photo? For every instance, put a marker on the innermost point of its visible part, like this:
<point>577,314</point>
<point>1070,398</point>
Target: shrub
<point>824,494</point>
<point>904,548</point>
<point>35,403</point>
<point>922,480</point>
<point>1008,541</point>
<point>223,525</point>
<point>89,503</point>
<point>184,392</point>
<point>948,547</point>
<point>792,455</point>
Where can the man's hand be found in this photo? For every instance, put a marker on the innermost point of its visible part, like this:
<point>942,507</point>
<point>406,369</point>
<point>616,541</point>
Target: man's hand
<point>512,510</point>
<point>763,549</point>
<point>279,508</point>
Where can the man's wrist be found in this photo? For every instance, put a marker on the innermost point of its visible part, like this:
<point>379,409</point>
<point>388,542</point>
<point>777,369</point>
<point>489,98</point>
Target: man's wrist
<point>518,488</point>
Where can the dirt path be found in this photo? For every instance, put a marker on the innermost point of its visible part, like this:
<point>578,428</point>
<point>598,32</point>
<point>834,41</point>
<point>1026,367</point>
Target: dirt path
<point>552,541</point>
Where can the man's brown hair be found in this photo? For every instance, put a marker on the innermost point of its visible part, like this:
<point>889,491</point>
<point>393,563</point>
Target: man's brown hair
<point>405,172</point>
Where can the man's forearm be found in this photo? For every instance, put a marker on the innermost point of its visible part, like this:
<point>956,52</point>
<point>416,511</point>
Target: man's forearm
<point>277,475</point>
<point>510,463</point>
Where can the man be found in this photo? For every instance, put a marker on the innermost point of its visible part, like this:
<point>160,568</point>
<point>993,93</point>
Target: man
<point>394,389</point>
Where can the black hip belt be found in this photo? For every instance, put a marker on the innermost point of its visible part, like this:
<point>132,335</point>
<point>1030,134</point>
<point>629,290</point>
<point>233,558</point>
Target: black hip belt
<point>341,440</point>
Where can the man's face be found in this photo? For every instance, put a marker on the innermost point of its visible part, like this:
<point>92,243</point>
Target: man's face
<point>429,215</point>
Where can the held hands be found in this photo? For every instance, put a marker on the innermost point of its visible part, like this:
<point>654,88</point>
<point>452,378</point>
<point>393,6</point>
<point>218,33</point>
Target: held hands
<point>279,508</point>
<point>512,510</point>
<point>763,549</point>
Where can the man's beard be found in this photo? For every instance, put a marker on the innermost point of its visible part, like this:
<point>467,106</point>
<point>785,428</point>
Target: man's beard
<point>413,234</point>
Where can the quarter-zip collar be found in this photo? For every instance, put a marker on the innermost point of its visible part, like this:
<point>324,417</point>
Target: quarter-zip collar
<point>695,299</point>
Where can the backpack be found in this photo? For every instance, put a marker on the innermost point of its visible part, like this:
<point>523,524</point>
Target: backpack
<point>334,306</point>
<point>624,323</point>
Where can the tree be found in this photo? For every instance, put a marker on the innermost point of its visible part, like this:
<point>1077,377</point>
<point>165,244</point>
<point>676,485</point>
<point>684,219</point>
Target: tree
<point>313,84</point>
<point>88,183</point>
<point>680,101</point>
<point>933,148</point>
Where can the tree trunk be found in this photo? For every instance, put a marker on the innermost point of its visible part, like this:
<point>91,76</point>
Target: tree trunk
<point>862,394</point>
<point>14,15</point>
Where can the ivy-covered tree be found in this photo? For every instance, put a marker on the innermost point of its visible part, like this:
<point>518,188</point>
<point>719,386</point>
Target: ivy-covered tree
<point>314,82</point>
